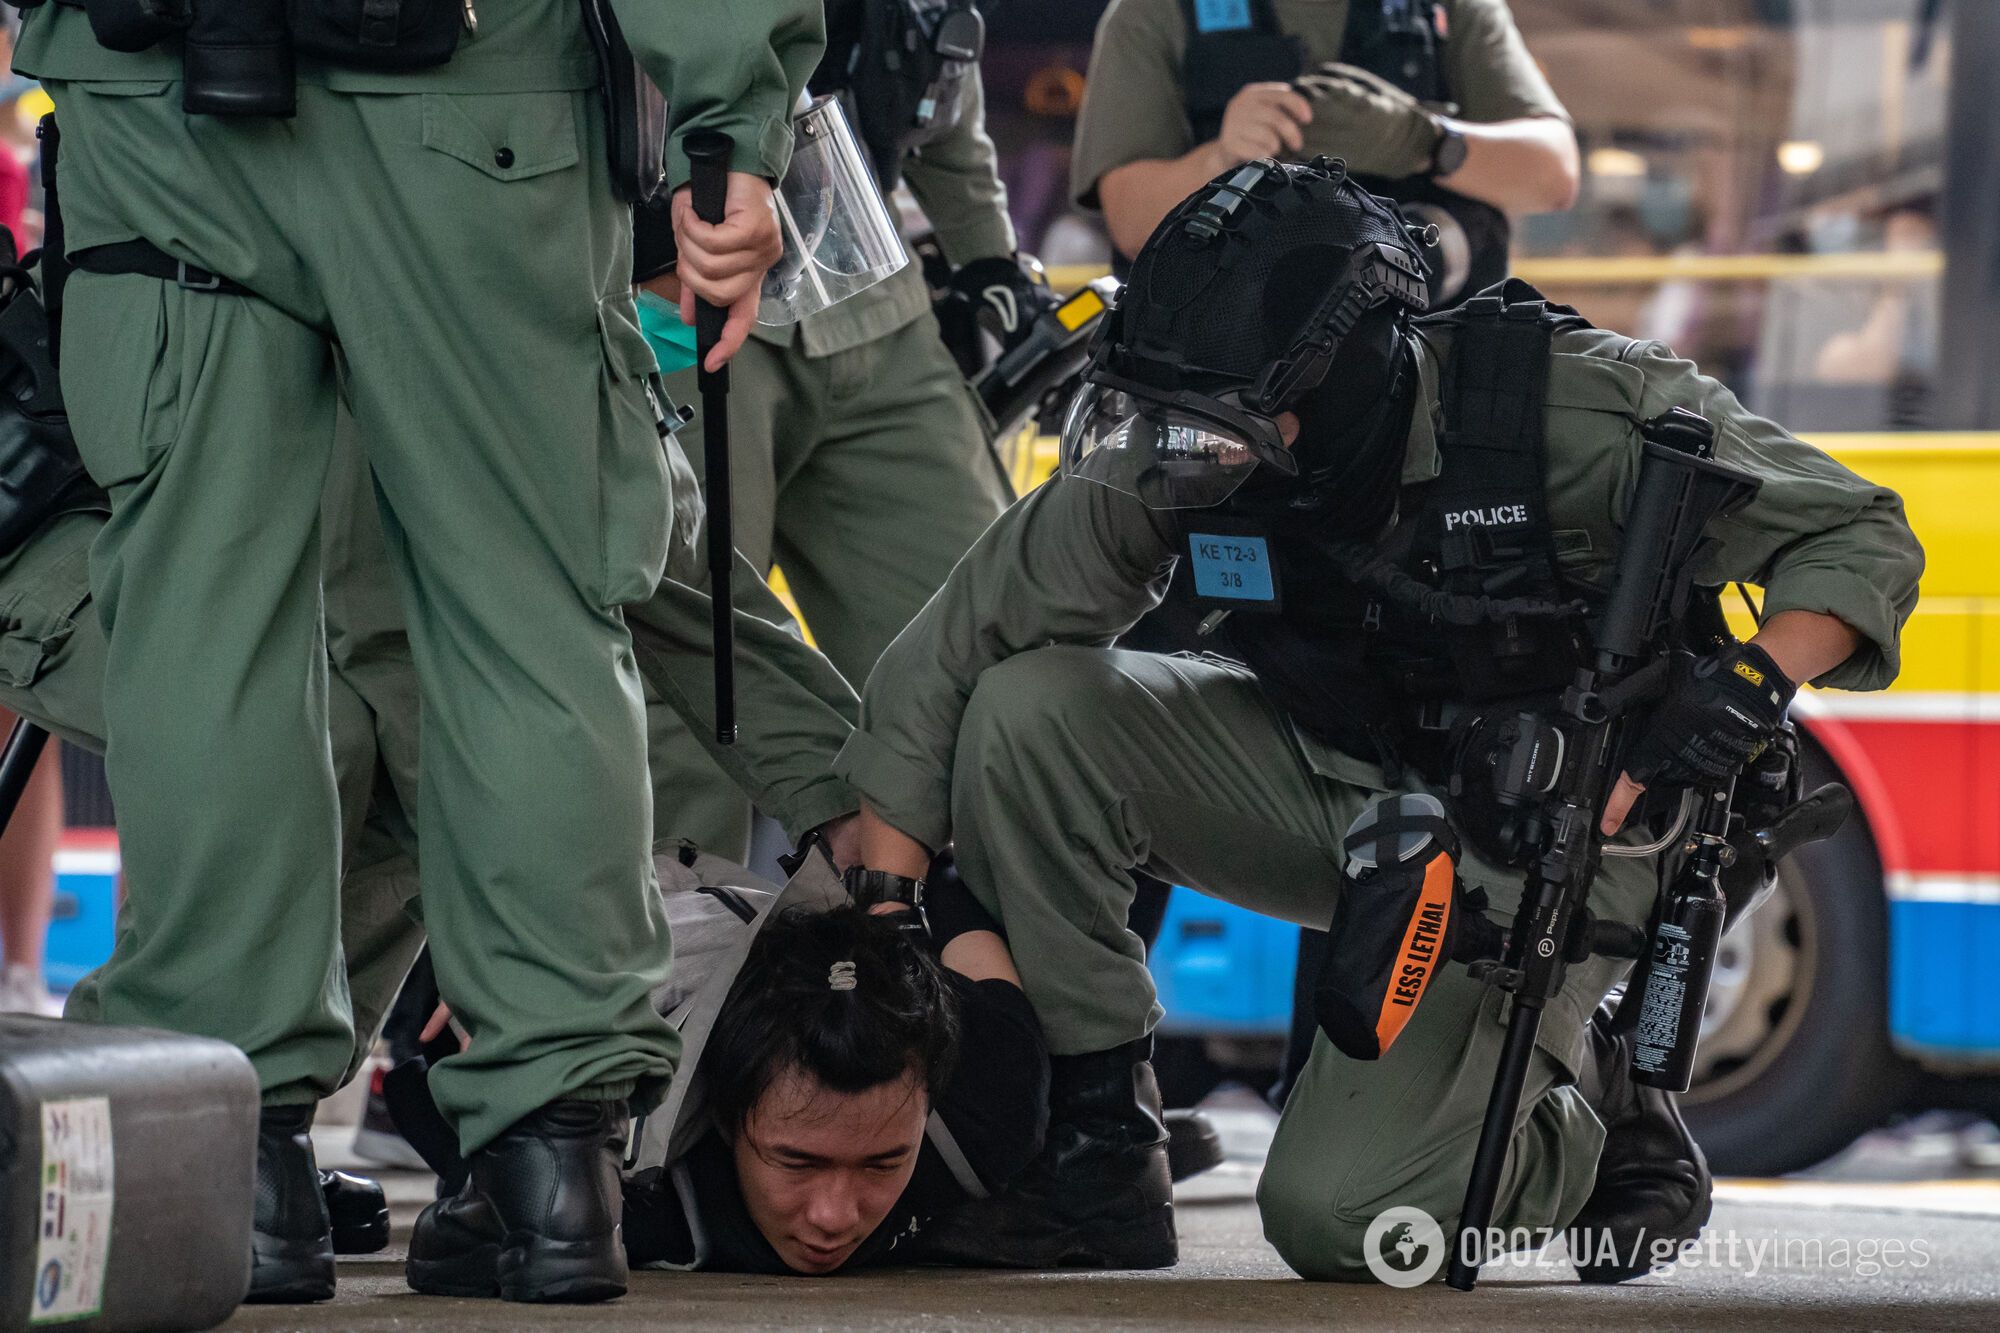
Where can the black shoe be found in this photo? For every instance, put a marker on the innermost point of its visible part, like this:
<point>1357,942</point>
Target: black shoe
<point>1193,1145</point>
<point>538,1219</point>
<point>1654,1192</point>
<point>358,1210</point>
<point>291,1240</point>
<point>1100,1195</point>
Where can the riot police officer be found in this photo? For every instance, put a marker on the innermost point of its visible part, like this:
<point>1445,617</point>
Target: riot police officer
<point>1434,103</point>
<point>1264,408</point>
<point>847,424</point>
<point>437,215</point>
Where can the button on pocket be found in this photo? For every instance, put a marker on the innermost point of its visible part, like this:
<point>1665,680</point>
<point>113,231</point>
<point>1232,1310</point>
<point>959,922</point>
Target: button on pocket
<point>509,137</point>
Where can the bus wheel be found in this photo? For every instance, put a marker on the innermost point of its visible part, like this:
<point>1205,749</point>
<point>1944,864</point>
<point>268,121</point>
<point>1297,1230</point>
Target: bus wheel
<point>1795,1061</point>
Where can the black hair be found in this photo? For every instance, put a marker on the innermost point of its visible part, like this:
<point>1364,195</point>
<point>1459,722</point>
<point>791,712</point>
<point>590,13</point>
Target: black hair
<point>899,1018</point>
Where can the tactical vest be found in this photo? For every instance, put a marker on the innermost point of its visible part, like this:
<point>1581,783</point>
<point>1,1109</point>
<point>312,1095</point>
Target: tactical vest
<point>1374,648</point>
<point>1232,43</point>
<point>902,65</point>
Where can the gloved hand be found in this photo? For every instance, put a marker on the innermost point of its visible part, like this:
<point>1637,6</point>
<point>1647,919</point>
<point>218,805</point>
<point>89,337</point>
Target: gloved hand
<point>1718,715</point>
<point>1004,295</point>
<point>1370,123</point>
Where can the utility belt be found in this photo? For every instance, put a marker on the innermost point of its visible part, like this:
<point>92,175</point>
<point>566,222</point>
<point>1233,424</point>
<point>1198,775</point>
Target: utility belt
<point>240,58</point>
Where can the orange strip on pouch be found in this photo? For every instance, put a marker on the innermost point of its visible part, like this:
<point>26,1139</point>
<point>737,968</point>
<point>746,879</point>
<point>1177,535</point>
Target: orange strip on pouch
<point>1417,961</point>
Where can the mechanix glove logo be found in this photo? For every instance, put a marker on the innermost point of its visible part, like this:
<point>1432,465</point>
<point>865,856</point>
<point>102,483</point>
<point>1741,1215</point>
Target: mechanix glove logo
<point>1399,920</point>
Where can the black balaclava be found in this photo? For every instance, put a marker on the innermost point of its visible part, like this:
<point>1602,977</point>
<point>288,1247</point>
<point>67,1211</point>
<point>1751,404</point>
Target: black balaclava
<point>1353,426</point>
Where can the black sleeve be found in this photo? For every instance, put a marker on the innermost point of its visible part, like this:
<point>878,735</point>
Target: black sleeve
<point>996,1105</point>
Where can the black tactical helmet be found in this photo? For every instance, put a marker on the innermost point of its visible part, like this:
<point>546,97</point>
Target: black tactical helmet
<point>1237,308</point>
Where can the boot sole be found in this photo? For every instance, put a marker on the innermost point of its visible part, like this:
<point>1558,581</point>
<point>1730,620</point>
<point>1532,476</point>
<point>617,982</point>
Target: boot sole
<point>474,1273</point>
<point>538,1271</point>
<point>289,1272</point>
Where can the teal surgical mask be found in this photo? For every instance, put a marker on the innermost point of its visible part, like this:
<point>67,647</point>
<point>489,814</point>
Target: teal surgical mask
<point>672,341</point>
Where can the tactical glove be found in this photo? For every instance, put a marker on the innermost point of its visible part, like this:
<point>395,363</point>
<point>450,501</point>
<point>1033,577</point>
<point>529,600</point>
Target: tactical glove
<point>1719,714</point>
<point>1004,295</point>
<point>1370,123</point>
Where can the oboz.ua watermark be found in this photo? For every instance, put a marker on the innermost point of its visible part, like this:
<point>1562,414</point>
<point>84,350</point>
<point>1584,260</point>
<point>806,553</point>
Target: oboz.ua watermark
<point>1405,1247</point>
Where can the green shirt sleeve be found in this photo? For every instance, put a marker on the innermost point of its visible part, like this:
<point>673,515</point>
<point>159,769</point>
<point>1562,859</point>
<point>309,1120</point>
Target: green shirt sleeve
<point>1073,563</point>
<point>957,181</point>
<point>737,67</point>
<point>794,709</point>
<point>1488,67</point>
<point>1133,110</point>
<point>1816,537</point>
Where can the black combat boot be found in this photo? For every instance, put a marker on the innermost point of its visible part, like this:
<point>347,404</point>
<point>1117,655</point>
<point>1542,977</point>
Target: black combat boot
<point>1099,1195</point>
<point>537,1219</point>
<point>1653,1193</point>
<point>1194,1145</point>
<point>358,1210</point>
<point>291,1241</point>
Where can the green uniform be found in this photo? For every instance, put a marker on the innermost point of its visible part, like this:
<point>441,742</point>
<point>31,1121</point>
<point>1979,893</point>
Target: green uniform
<point>861,462</point>
<point>1134,111</point>
<point>1002,718</point>
<point>452,240</point>
<point>796,709</point>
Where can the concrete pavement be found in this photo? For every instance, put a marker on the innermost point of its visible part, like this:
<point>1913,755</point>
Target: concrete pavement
<point>1825,1254</point>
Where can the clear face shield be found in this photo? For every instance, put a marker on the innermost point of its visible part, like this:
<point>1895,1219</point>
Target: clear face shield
<point>839,236</point>
<point>1179,451</point>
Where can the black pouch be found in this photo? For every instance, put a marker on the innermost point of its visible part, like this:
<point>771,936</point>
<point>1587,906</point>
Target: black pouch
<point>40,469</point>
<point>1402,916</point>
<point>378,34</point>
<point>635,113</point>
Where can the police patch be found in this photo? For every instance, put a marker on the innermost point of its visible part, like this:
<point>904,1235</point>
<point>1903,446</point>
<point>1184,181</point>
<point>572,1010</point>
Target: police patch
<point>1222,15</point>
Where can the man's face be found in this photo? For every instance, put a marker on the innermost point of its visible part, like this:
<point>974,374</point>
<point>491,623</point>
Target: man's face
<point>820,1169</point>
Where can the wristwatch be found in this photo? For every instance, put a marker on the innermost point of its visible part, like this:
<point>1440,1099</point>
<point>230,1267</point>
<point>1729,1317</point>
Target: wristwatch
<point>1449,153</point>
<point>870,888</point>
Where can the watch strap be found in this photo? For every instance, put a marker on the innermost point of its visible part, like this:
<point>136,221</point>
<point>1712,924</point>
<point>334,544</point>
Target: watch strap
<point>869,888</point>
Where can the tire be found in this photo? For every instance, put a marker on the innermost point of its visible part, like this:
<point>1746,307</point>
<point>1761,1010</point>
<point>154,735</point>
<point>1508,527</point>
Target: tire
<point>1795,1061</point>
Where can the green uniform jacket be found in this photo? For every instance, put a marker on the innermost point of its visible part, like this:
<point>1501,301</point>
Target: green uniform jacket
<point>1076,563</point>
<point>957,182</point>
<point>1133,109</point>
<point>728,67</point>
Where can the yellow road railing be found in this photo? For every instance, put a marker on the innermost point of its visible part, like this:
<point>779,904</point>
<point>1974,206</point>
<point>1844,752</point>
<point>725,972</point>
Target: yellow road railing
<point>1642,270</point>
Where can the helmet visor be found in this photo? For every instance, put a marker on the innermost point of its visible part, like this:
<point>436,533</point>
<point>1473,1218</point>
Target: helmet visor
<point>1169,455</point>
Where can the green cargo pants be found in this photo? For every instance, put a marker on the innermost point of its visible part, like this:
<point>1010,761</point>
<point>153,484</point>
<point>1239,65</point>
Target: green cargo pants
<point>864,475</point>
<point>796,710</point>
<point>1075,765</point>
<point>52,652</point>
<point>466,260</point>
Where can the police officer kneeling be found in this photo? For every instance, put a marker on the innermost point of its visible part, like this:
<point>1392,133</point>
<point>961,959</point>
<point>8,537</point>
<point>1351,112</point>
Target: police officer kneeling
<point>1391,523</point>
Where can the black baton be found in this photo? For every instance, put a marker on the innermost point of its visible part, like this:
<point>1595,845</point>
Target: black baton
<point>17,765</point>
<point>708,154</point>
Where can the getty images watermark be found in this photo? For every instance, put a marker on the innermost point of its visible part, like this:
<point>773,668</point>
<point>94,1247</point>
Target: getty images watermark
<point>1405,1247</point>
